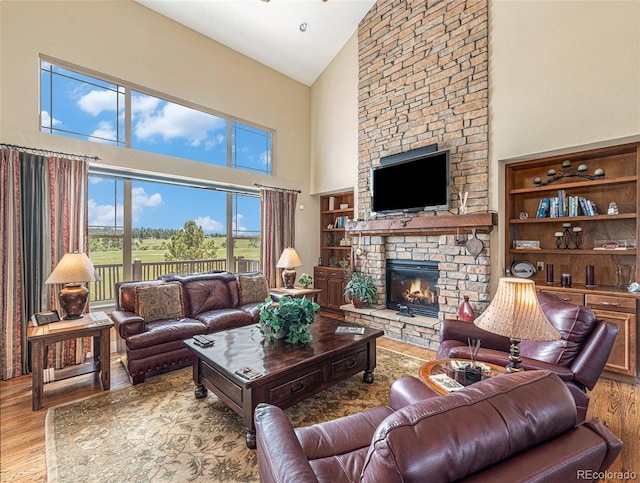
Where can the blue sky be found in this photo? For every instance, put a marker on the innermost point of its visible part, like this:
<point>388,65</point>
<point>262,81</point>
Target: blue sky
<point>87,108</point>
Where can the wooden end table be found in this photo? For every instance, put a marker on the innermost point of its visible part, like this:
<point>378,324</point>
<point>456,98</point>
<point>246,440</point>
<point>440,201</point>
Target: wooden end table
<point>443,366</point>
<point>289,373</point>
<point>296,292</point>
<point>96,325</point>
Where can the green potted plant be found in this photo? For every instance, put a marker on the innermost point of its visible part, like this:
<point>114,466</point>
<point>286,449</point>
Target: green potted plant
<point>289,318</point>
<point>306,280</point>
<point>360,289</point>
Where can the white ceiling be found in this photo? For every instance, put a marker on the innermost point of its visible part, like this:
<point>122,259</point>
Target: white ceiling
<point>269,31</point>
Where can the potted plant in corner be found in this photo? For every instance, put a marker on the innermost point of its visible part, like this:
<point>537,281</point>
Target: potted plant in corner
<point>360,290</point>
<point>287,319</point>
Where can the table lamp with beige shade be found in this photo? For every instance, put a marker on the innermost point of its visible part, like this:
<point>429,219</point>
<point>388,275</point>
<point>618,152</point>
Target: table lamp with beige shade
<point>73,270</point>
<point>289,260</point>
<point>515,312</point>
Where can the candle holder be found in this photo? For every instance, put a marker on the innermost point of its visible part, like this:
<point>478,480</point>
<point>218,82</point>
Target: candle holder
<point>566,235</point>
<point>558,236</point>
<point>577,236</point>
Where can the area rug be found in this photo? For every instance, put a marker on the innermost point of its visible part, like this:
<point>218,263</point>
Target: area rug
<point>158,431</point>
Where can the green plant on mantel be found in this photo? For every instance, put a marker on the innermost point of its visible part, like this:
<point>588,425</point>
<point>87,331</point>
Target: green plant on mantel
<point>360,289</point>
<point>289,318</point>
<point>306,280</point>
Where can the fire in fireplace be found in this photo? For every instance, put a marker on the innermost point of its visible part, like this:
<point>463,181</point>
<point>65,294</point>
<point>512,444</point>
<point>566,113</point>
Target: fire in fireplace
<point>412,287</point>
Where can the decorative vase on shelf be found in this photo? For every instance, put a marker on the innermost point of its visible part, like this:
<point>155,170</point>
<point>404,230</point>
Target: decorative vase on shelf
<point>465,311</point>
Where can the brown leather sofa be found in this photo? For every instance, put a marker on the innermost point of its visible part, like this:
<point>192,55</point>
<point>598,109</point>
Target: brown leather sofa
<point>514,427</point>
<point>152,318</point>
<point>578,358</point>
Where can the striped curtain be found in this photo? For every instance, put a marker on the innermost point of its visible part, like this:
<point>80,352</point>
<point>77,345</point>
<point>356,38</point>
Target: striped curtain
<point>278,229</point>
<point>43,203</point>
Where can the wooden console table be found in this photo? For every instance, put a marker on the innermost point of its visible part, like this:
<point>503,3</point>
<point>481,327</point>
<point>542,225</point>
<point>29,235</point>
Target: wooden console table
<point>45,335</point>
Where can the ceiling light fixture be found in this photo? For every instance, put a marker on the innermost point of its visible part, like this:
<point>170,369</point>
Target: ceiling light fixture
<point>304,26</point>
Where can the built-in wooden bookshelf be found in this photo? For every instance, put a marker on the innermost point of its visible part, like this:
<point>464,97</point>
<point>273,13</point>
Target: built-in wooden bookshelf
<point>333,270</point>
<point>605,240</point>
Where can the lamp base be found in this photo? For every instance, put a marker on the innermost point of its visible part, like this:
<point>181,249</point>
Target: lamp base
<point>73,299</point>
<point>289,277</point>
<point>514,357</point>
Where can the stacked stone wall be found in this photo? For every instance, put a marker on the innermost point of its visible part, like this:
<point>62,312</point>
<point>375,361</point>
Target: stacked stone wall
<point>423,79</point>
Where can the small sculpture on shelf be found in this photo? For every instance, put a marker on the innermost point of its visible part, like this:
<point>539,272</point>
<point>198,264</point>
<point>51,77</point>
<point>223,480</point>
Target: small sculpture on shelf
<point>566,172</point>
<point>613,208</point>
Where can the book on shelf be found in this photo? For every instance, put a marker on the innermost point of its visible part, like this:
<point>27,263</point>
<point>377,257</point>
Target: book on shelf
<point>543,208</point>
<point>564,205</point>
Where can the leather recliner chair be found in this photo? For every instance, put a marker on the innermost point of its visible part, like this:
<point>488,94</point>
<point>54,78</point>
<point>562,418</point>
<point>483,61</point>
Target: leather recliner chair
<point>513,427</point>
<point>578,358</point>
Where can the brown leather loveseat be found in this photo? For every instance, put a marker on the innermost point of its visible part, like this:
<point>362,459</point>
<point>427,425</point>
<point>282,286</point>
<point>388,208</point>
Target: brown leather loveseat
<point>152,318</point>
<point>514,427</point>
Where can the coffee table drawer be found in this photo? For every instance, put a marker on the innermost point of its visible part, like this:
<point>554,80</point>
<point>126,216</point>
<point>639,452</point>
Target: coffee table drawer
<point>352,363</point>
<point>307,384</point>
<point>222,383</point>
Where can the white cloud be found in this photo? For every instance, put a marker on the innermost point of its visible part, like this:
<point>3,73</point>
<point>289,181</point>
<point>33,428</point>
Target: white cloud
<point>237,223</point>
<point>97,101</point>
<point>209,225</point>
<point>173,121</point>
<point>46,119</point>
<point>140,199</point>
<point>105,133</point>
<point>103,215</point>
<point>143,105</point>
<point>265,157</point>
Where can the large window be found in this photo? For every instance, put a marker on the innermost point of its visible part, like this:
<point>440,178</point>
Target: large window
<point>96,109</point>
<point>141,230</point>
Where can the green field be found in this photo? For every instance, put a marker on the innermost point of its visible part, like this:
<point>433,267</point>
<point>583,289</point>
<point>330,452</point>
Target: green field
<point>148,250</point>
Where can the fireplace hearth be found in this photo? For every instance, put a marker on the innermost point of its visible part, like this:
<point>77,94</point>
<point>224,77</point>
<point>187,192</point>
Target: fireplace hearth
<point>412,287</point>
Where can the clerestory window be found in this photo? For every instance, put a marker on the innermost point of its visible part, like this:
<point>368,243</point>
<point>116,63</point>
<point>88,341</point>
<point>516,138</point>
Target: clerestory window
<point>83,106</point>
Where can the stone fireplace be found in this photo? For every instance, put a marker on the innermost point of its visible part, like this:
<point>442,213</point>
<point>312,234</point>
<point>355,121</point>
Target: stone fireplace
<point>427,84</point>
<point>412,287</point>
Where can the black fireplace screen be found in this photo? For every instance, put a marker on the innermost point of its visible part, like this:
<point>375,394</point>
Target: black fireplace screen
<point>412,286</point>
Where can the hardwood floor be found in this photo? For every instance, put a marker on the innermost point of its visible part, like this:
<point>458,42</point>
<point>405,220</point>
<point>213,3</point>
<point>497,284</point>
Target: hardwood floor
<point>22,437</point>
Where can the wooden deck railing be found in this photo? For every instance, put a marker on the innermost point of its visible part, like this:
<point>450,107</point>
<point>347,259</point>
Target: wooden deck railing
<point>104,290</point>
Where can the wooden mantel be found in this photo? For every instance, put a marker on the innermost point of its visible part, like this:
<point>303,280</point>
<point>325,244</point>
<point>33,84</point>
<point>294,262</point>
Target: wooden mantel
<point>425,225</point>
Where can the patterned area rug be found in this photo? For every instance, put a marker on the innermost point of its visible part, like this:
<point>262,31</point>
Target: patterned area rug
<point>158,431</point>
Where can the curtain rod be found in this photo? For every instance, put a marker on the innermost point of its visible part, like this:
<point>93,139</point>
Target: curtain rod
<point>48,152</point>
<point>276,188</point>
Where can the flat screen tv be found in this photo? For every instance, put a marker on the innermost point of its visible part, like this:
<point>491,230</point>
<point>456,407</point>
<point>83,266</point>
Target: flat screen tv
<point>416,180</point>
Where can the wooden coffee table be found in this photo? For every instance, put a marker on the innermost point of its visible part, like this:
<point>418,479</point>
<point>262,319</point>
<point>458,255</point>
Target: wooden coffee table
<point>289,372</point>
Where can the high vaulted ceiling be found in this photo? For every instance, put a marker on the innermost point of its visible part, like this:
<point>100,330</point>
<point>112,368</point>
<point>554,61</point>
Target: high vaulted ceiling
<point>270,31</point>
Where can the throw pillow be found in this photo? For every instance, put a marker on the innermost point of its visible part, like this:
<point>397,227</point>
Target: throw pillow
<point>252,288</point>
<point>159,302</point>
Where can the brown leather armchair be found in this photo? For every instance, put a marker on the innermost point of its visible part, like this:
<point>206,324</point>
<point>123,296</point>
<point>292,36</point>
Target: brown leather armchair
<point>578,358</point>
<point>514,427</point>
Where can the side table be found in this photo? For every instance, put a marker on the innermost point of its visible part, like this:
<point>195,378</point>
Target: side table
<point>443,366</point>
<point>96,325</point>
<point>296,292</point>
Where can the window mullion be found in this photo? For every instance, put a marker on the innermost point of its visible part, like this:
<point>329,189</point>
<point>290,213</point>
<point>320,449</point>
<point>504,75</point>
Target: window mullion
<point>127,230</point>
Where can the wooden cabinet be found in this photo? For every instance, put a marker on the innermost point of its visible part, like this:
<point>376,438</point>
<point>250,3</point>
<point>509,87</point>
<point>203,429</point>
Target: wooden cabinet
<point>622,312</point>
<point>332,282</point>
<point>573,179</point>
<point>335,249</point>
